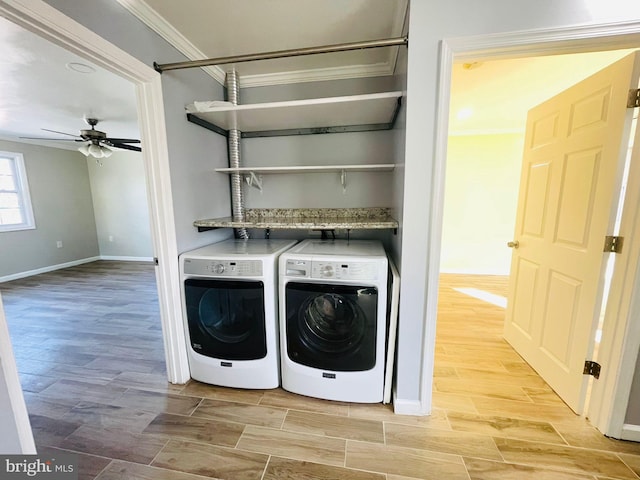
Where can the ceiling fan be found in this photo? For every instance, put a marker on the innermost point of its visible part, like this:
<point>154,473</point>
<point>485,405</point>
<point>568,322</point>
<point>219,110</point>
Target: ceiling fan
<point>96,143</point>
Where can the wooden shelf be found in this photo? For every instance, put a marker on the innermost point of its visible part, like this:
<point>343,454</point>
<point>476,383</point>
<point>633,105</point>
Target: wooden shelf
<point>385,167</point>
<point>375,111</point>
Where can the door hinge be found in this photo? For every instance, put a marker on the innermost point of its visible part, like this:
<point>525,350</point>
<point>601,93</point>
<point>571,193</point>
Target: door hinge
<point>633,100</point>
<point>591,368</point>
<point>613,244</point>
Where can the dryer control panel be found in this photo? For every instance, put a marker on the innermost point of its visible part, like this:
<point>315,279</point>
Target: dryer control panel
<point>223,268</point>
<point>349,270</point>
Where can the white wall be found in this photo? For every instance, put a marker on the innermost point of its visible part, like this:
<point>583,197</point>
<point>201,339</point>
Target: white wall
<point>119,194</point>
<point>480,201</point>
<point>62,207</point>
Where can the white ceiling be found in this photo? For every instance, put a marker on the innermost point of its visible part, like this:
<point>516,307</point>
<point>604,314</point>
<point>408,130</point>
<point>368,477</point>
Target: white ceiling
<point>220,28</point>
<point>38,90</point>
<point>498,94</point>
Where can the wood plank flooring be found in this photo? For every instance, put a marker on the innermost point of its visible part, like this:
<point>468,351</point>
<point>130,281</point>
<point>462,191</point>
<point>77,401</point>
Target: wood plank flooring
<point>89,348</point>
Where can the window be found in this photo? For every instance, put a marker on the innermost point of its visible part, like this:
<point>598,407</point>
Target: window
<point>15,203</point>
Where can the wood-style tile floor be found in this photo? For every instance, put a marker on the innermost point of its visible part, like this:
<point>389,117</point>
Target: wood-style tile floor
<point>89,349</point>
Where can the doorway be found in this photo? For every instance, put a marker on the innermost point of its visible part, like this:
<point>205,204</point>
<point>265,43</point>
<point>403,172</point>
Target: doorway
<point>473,167</point>
<point>56,27</point>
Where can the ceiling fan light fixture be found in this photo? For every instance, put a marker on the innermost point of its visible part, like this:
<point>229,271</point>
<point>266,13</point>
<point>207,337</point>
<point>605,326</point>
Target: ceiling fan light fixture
<point>96,151</point>
<point>106,152</point>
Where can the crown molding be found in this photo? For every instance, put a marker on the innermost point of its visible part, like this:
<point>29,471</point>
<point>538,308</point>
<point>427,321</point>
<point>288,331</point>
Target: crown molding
<point>547,41</point>
<point>141,10</point>
<point>315,75</point>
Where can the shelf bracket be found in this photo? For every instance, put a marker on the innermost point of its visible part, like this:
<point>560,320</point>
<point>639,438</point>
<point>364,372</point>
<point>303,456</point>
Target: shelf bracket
<point>254,180</point>
<point>343,180</point>
<point>206,229</point>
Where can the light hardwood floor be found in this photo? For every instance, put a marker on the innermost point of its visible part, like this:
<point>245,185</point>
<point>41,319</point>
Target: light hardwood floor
<point>89,349</point>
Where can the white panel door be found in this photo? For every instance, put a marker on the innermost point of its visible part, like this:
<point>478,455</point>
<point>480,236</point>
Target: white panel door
<point>573,161</point>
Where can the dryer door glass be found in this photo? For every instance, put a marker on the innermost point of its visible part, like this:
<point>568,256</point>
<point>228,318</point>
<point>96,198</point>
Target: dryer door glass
<point>331,327</point>
<point>226,318</point>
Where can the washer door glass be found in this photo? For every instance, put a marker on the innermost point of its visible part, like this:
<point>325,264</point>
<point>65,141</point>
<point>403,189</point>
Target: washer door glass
<point>226,319</point>
<point>225,315</point>
<point>331,327</point>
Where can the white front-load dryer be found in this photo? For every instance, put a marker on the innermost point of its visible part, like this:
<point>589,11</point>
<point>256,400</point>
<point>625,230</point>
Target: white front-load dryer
<point>230,311</point>
<point>333,309</point>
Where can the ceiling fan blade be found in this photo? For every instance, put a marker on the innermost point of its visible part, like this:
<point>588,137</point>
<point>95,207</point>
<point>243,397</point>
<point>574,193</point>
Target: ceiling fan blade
<point>120,140</point>
<point>61,133</point>
<point>125,146</point>
<point>53,139</point>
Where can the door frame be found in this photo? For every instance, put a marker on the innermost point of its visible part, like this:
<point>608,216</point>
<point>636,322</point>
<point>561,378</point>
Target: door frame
<point>610,394</point>
<point>50,24</point>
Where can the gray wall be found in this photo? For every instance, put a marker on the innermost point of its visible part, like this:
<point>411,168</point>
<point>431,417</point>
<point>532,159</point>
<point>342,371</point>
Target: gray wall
<point>119,194</point>
<point>62,207</point>
<point>320,190</point>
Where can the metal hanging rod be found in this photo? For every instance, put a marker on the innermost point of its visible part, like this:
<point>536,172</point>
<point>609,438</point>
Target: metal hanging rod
<point>295,52</point>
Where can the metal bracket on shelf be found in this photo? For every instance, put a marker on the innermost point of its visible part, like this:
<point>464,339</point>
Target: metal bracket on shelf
<point>343,181</point>
<point>254,180</point>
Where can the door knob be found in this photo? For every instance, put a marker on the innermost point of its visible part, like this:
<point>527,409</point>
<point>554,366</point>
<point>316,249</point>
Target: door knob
<point>514,244</point>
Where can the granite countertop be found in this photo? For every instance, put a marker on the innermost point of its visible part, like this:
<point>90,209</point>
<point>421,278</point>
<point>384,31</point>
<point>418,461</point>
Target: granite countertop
<point>307,218</point>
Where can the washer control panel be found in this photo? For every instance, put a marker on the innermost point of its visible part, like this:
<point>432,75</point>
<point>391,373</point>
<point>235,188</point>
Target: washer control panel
<point>223,268</point>
<point>349,270</point>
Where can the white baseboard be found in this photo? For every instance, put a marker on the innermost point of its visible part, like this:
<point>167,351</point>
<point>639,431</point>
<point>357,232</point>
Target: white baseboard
<point>126,259</point>
<point>50,268</point>
<point>59,266</point>
<point>407,407</point>
<point>630,432</point>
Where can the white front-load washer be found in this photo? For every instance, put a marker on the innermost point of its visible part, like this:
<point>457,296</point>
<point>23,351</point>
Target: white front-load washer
<point>230,311</point>
<point>333,309</point>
